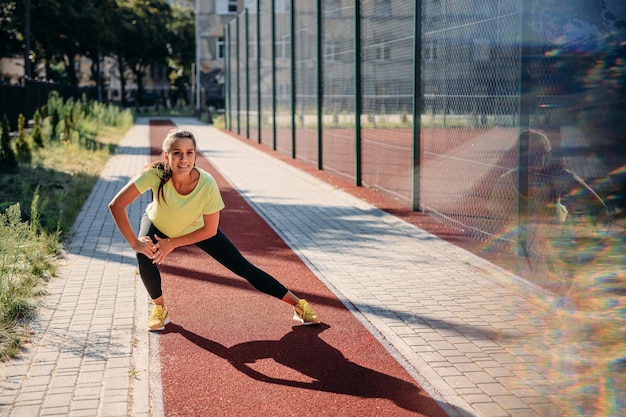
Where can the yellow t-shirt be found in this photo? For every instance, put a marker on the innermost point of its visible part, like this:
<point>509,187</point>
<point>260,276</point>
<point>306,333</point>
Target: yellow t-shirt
<point>175,214</point>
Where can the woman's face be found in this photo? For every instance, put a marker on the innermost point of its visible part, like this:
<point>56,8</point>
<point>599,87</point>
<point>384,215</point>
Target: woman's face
<point>182,156</point>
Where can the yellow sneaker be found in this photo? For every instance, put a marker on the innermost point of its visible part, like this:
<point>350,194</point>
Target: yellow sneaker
<point>303,313</point>
<point>158,318</point>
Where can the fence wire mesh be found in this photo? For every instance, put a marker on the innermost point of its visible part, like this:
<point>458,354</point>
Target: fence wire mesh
<point>470,70</point>
<point>433,115</point>
<point>253,74</point>
<point>243,77</point>
<point>306,81</point>
<point>387,97</point>
<point>283,39</point>
<point>338,76</point>
<point>266,74</point>
<point>467,60</point>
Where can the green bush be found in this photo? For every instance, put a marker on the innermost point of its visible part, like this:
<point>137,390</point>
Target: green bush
<point>37,133</point>
<point>33,225</point>
<point>8,160</point>
<point>27,256</point>
<point>55,110</point>
<point>23,149</point>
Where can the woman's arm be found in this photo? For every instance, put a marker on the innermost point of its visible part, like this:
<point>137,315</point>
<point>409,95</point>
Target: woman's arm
<point>117,207</point>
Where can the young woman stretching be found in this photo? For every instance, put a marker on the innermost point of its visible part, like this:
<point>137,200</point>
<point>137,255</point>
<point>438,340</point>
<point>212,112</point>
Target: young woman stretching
<point>185,210</point>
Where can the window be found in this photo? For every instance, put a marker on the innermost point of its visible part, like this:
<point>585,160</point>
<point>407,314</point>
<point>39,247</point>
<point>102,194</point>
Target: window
<point>332,8</point>
<point>282,6</point>
<point>429,50</point>
<point>226,6</point>
<point>219,47</point>
<point>383,52</point>
<point>382,8</point>
<point>283,48</point>
<point>330,50</point>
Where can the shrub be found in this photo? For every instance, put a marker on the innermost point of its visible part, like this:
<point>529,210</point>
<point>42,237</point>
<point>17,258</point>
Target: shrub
<point>26,257</point>
<point>55,110</point>
<point>22,145</point>
<point>37,133</point>
<point>8,161</point>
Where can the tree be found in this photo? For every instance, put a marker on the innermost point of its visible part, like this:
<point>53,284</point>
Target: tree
<point>181,47</point>
<point>124,17</point>
<point>11,39</point>
<point>56,28</point>
<point>145,22</point>
<point>61,30</point>
<point>100,40</point>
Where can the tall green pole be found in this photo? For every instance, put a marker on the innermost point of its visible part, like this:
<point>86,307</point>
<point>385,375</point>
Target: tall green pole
<point>258,68</point>
<point>293,77</point>
<point>417,104</point>
<point>525,107</point>
<point>227,69</point>
<point>247,54</point>
<point>238,74</point>
<point>357,93</point>
<point>320,90</point>
<point>273,48</point>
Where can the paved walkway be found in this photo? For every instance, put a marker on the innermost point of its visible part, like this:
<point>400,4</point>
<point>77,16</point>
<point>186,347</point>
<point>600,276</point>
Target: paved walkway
<point>469,332</point>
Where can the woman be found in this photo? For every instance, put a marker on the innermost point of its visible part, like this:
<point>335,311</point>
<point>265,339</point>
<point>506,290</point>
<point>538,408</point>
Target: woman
<point>185,210</point>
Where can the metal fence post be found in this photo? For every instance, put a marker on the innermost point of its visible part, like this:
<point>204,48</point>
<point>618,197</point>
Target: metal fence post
<point>238,73</point>
<point>357,93</point>
<point>320,90</point>
<point>417,105</point>
<point>227,75</point>
<point>258,67</point>
<point>292,28</point>
<point>273,49</point>
<point>247,48</point>
<point>525,102</point>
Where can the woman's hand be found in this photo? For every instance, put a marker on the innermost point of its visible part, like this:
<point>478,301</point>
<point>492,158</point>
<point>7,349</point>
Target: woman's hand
<point>162,248</point>
<point>145,246</point>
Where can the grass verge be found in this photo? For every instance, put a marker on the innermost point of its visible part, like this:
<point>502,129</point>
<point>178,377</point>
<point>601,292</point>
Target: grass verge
<point>39,201</point>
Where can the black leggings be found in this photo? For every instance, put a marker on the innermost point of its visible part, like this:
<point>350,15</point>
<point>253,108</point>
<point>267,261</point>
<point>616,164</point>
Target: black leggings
<point>222,250</point>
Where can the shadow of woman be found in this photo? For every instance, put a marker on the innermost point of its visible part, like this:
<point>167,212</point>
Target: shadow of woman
<point>329,369</point>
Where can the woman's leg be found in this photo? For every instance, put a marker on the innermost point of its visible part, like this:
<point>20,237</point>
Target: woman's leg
<point>148,270</point>
<point>151,277</point>
<point>223,250</point>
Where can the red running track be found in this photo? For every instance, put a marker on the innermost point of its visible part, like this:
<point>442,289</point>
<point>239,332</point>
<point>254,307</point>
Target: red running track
<point>233,351</point>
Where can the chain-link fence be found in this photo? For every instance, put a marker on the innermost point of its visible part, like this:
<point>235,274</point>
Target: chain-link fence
<point>488,115</point>
<point>425,101</point>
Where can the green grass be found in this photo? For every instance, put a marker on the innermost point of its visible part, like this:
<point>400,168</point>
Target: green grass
<point>38,205</point>
<point>28,259</point>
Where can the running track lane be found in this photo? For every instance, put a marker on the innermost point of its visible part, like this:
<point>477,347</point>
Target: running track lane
<point>232,351</point>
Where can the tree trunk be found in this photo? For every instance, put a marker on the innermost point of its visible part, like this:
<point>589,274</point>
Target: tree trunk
<point>122,67</point>
<point>27,65</point>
